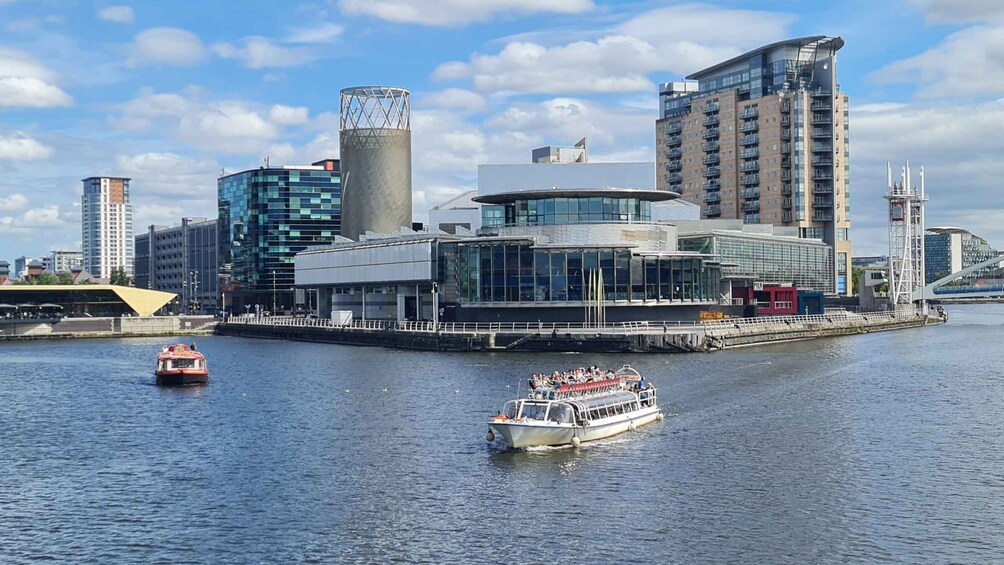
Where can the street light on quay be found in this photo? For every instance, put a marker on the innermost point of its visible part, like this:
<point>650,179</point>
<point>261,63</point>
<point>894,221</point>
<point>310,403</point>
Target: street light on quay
<point>273,292</point>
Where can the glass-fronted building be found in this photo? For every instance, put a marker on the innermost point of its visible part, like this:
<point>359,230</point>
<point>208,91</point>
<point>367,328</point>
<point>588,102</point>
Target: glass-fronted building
<point>267,216</point>
<point>950,249</point>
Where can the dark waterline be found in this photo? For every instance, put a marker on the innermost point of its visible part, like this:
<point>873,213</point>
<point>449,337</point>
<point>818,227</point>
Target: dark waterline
<point>874,448</point>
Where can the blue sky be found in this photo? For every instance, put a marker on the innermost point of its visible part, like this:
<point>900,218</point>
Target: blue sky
<point>170,92</point>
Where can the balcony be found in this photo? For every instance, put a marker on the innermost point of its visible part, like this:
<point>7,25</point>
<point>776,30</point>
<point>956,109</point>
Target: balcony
<point>673,141</point>
<point>750,153</point>
<point>821,133</point>
<point>712,159</point>
<point>751,219</point>
<point>820,106</point>
<point>674,154</point>
<point>674,178</point>
<point>786,162</point>
<point>786,203</point>
<point>785,175</point>
<point>711,107</point>
<point>750,180</point>
<point>710,121</point>
<point>743,88</point>
<point>753,206</point>
<point>749,127</point>
<point>712,172</point>
<point>822,216</point>
<point>749,113</point>
<point>786,135</point>
<point>786,189</point>
<point>751,139</point>
<point>713,197</point>
<point>711,185</point>
<point>713,210</point>
<point>822,203</point>
<point>785,148</point>
<point>673,166</point>
<point>822,174</point>
<point>711,133</point>
<point>674,128</point>
<point>822,119</point>
<point>821,93</point>
<point>786,106</point>
<point>750,166</point>
<point>822,148</point>
<point>786,216</point>
<point>785,121</point>
<point>822,161</point>
<point>822,188</point>
<point>711,146</point>
<point>752,192</point>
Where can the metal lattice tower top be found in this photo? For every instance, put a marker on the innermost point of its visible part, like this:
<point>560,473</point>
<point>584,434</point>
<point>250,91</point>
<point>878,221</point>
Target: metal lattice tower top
<point>906,237</point>
<point>375,107</point>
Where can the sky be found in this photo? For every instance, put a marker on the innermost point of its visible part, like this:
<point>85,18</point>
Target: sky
<point>170,93</point>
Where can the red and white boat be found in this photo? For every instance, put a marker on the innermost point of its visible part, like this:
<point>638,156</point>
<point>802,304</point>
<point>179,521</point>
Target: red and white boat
<point>180,365</point>
<point>573,412</point>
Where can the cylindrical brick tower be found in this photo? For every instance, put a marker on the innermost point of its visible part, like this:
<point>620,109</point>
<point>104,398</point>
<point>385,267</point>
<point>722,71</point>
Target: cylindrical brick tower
<point>375,152</point>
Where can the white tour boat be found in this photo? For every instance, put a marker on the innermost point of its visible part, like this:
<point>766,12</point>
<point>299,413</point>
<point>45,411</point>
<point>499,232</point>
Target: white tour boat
<point>568,412</point>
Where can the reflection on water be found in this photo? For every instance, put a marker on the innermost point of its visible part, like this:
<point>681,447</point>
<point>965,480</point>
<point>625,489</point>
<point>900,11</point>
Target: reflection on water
<point>873,448</point>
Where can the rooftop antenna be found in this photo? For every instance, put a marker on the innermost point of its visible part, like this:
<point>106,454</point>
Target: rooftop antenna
<point>266,161</point>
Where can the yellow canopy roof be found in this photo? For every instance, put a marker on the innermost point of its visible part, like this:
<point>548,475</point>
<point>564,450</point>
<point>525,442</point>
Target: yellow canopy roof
<point>143,301</point>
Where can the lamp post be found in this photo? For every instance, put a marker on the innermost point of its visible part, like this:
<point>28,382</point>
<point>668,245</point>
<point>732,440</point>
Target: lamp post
<point>273,292</point>
<point>435,305</point>
<point>193,305</point>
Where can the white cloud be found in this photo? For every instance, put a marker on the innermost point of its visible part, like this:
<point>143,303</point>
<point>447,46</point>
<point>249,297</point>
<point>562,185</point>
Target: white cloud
<point>288,115</point>
<point>225,126</point>
<point>457,99</point>
<point>324,33</point>
<point>44,217</point>
<point>166,46</point>
<point>13,203</point>
<point>23,148</point>
<point>954,11</point>
<point>262,53</point>
<point>675,39</point>
<point>27,83</point>
<point>117,14</point>
<point>457,12</point>
<point>968,62</point>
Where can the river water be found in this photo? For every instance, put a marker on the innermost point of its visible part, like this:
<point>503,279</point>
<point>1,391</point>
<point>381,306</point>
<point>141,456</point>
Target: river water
<point>875,448</point>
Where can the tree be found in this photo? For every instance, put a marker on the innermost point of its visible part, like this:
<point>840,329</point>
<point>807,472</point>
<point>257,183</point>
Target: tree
<point>120,278</point>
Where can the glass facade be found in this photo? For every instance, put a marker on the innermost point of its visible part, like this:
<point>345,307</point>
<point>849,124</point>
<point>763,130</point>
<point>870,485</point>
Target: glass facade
<point>552,211</point>
<point>807,266</point>
<point>267,215</point>
<point>508,271</point>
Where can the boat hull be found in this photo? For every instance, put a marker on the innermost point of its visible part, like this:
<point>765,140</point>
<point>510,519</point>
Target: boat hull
<point>182,378</point>
<point>519,435</point>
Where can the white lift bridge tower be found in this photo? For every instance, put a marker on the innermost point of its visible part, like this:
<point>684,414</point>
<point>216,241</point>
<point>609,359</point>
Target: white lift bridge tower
<point>906,237</point>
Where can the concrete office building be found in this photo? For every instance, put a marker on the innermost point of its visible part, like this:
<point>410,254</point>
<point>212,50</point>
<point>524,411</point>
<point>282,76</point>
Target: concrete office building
<point>950,249</point>
<point>64,261</point>
<point>375,150</point>
<point>181,260</point>
<point>21,267</point>
<point>763,138</point>
<point>266,216</point>
<point>106,222</point>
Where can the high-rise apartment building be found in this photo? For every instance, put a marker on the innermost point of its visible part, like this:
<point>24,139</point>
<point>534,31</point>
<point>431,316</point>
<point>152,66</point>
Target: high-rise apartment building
<point>106,222</point>
<point>762,137</point>
<point>21,266</point>
<point>182,260</point>
<point>267,216</point>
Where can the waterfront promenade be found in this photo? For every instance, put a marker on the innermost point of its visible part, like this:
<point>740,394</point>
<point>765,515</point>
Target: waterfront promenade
<point>125,326</point>
<point>621,337</point>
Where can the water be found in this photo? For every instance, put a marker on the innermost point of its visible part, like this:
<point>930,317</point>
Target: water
<point>874,448</point>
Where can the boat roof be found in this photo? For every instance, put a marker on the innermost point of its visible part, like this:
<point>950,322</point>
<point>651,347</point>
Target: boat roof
<point>180,351</point>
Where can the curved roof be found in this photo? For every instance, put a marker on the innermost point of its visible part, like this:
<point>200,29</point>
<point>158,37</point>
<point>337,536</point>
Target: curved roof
<point>143,301</point>
<point>797,42</point>
<point>648,195</point>
<point>947,230</point>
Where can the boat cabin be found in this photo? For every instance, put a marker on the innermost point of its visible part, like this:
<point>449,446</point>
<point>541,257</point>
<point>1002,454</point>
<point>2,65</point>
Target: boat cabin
<point>576,410</point>
<point>176,363</point>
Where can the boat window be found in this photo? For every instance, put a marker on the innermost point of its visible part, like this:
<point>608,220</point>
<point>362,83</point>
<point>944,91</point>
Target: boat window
<point>509,409</point>
<point>534,411</point>
<point>184,363</point>
<point>560,413</point>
